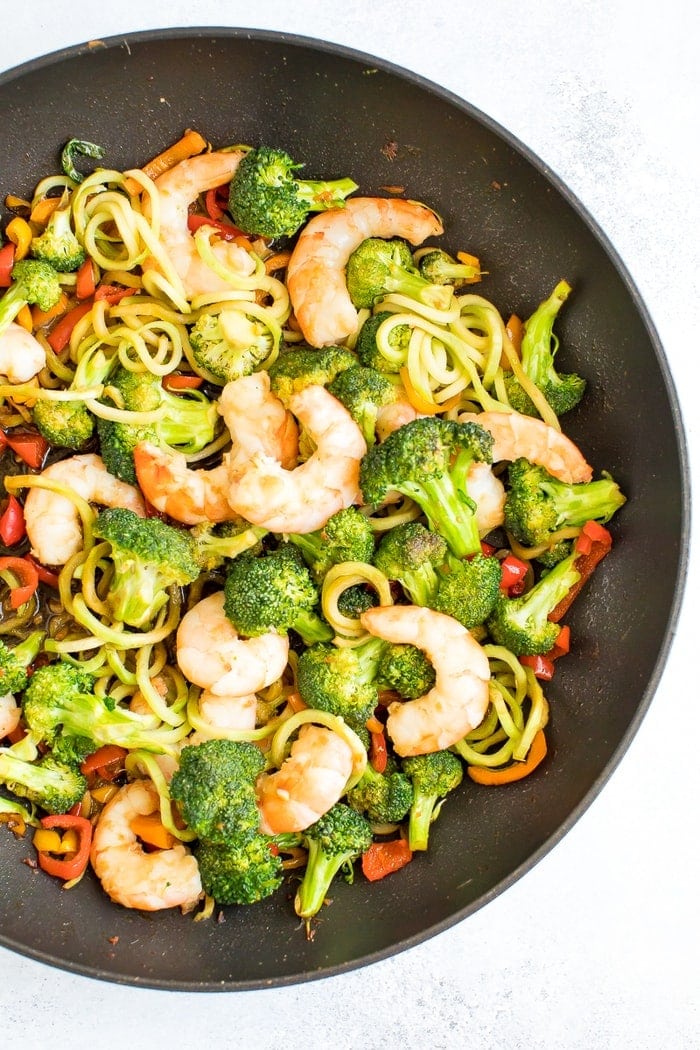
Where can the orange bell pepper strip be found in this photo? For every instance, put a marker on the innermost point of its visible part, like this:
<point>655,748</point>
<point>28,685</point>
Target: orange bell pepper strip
<point>151,831</point>
<point>383,858</point>
<point>516,771</point>
<point>70,867</point>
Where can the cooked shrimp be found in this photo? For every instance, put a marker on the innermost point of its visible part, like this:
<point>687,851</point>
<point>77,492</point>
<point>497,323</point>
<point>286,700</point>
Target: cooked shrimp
<point>53,523</point>
<point>167,878</point>
<point>211,654</point>
<point>21,355</point>
<point>303,499</point>
<point>308,783</point>
<point>316,270</point>
<point>189,496</point>
<point>9,715</point>
<point>391,417</point>
<point>258,422</point>
<point>458,701</point>
<point>177,189</point>
<point>488,493</point>
<point>224,713</point>
<point>518,435</point>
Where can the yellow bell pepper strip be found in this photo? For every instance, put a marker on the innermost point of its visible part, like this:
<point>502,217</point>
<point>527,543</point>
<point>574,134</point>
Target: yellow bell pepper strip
<point>20,233</point>
<point>74,864</point>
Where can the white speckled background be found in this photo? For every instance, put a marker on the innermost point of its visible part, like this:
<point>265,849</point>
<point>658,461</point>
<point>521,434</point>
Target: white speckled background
<point>598,947</point>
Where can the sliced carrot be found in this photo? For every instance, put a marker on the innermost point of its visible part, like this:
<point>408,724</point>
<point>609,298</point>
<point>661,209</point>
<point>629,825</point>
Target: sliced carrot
<point>516,771</point>
<point>188,146</point>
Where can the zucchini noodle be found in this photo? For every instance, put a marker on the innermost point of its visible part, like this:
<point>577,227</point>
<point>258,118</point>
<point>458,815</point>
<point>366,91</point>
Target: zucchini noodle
<point>349,630</point>
<point>143,761</point>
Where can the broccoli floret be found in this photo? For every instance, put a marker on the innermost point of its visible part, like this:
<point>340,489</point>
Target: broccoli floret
<point>34,283</point>
<point>521,624</point>
<point>14,661</point>
<point>274,592</point>
<point>302,367</point>
<point>189,423</point>
<point>214,786</point>
<point>363,391</point>
<point>554,554</point>
<point>385,798</point>
<point>378,267</point>
<point>428,460</point>
<point>468,588</point>
<point>47,782</point>
<point>355,600</point>
<point>341,680</point>
<point>214,544</point>
<point>433,777</point>
<point>67,424</point>
<point>61,709</point>
<point>539,346</point>
<point>230,344</point>
<point>538,504</point>
<point>367,348</point>
<point>412,554</point>
<point>70,424</point>
<point>148,556</point>
<point>439,267</point>
<point>407,670</point>
<point>266,198</point>
<point>333,842</point>
<point>239,872</point>
<point>57,245</point>
<point>346,536</point>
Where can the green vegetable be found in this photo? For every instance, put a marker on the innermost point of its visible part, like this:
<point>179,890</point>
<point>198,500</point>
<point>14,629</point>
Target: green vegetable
<point>367,348</point>
<point>377,267</point>
<point>521,624</point>
<point>334,842</point>
<point>267,199</point>
<point>214,786</point>
<point>428,460</point>
<point>433,777</point>
<point>412,554</point>
<point>407,670</point>
<point>46,781</point>
<point>15,660</point>
<point>363,391</point>
<point>296,369</point>
<point>215,544</point>
<point>538,504</point>
<point>468,588</point>
<point>58,245</point>
<point>34,283</point>
<point>384,798</point>
<point>539,346</point>
<point>341,680</point>
<point>70,424</point>
<point>239,872</point>
<point>78,148</point>
<point>230,344</point>
<point>439,267</point>
<point>149,556</point>
<point>274,592</point>
<point>346,536</point>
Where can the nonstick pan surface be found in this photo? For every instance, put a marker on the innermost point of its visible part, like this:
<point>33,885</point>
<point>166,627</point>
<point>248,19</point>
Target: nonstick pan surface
<point>344,113</point>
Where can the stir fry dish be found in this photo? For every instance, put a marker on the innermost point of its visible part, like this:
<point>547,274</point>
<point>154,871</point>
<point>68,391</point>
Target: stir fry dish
<point>290,528</point>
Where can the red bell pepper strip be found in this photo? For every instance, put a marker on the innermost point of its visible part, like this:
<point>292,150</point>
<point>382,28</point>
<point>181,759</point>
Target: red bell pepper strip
<point>26,574</point>
<point>488,548</point>
<point>45,575</point>
<point>113,293</point>
<point>29,445</point>
<point>212,205</point>
<point>589,557</point>
<point>85,280</point>
<point>59,336</point>
<point>225,230</point>
<point>7,261</point>
<point>378,753</point>
<point>108,761</point>
<point>513,573</point>
<point>382,858</point>
<point>177,382</point>
<point>12,528</point>
<point>542,666</point>
<point>68,867</point>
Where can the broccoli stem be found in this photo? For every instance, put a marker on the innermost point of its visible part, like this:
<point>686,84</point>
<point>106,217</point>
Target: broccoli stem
<point>596,500</point>
<point>321,869</point>
<point>311,628</point>
<point>319,194</point>
<point>449,514</point>
<point>420,818</point>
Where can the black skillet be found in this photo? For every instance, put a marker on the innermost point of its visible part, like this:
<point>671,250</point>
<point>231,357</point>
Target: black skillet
<point>344,113</point>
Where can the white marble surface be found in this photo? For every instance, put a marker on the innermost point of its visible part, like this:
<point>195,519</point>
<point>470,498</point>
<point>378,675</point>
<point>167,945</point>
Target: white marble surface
<point>599,945</point>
